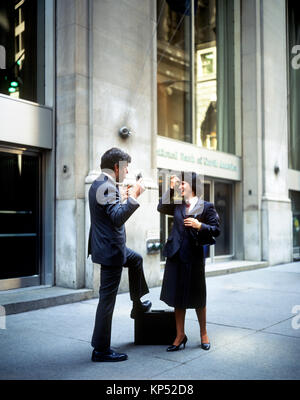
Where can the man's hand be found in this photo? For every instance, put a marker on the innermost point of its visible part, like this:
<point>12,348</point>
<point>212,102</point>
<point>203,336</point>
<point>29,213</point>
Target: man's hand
<point>192,223</point>
<point>137,189</point>
<point>174,180</point>
<point>124,192</point>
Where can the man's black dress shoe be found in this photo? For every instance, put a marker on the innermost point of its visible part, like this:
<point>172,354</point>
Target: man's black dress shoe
<point>108,356</point>
<point>176,348</point>
<point>140,308</point>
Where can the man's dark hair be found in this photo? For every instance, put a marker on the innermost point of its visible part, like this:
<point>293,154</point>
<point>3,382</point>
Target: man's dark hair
<point>113,156</point>
<point>194,180</point>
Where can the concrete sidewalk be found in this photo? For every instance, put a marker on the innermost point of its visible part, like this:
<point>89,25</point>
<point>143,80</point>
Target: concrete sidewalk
<point>249,324</point>
<point>34,298</point>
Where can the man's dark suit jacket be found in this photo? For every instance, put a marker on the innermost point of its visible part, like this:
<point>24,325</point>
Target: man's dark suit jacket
<point>188,240</point>
<point>107,233</point>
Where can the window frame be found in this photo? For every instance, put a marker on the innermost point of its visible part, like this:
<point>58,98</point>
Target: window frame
<point>237,78</point>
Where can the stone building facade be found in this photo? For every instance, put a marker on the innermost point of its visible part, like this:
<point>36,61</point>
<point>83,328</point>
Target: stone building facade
<point>203,85</point>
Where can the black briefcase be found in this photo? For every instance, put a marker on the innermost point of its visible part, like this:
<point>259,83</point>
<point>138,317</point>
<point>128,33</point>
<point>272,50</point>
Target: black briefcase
<point>155,327</point>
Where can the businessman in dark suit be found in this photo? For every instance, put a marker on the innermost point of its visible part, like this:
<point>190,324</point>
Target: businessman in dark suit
<point>107,245</point>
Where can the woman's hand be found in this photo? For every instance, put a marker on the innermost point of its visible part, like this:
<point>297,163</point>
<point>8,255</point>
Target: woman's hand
<point>192,223</point>
<point>174,181</point>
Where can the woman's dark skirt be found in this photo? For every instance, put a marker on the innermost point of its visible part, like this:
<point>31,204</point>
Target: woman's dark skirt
<point>184,284</point>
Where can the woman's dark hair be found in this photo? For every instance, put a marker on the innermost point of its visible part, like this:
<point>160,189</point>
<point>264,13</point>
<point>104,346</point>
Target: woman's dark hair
<point>194,180</point>
<point>113,156</point>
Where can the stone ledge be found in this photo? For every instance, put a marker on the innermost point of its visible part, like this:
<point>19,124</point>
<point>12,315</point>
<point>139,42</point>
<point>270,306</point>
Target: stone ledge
<point>28,299</point>
<point>233,266</point>
<point>33,298</point>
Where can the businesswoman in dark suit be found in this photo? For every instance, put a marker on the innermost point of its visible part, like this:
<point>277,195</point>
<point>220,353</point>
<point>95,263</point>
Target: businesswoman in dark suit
<point>196,223</point>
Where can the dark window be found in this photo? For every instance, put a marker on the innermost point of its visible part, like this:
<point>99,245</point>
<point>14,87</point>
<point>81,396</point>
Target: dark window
<point>213,72</point>
<point>22,35</point>
<point>173,70</point>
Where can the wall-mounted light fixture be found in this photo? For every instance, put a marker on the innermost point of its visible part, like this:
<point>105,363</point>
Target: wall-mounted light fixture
<point>124,132</point>
<point>276,169</point>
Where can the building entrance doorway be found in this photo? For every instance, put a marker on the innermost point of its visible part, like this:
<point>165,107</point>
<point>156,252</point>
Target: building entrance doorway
<point>20,218</point>
<point>295,200</point>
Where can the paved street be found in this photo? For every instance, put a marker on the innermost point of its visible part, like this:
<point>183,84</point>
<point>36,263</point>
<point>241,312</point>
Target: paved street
<point>249,325</point>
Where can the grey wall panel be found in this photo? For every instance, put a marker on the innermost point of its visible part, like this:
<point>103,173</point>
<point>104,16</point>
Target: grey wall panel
<point>25,123</point>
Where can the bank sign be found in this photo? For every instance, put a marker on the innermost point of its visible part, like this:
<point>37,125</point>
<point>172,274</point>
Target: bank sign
<point>179,156</point>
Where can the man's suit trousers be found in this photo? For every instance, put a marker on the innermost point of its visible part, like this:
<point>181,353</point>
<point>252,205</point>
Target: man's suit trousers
<point>109,283</point>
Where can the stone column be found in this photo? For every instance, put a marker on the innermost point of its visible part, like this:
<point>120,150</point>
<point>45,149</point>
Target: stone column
<point>72,140</point>
<point>276,205</point>
<point>267,209</point>
<point>251,128</point>
<point>124,94</point>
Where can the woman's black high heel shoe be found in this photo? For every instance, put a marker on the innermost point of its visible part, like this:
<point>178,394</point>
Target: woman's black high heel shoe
<point>176,348</point>
<point>205,346</point>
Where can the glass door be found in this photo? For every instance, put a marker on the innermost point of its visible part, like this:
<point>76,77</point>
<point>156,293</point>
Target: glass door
<point>221,194</point>
<point>223,201</point>
<point>208,187</point>
<point>295,200</point>
<point>20,219</point>
<point>166,221</point>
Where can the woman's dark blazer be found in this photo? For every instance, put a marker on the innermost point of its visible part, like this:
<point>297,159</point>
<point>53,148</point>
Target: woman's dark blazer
<point>188,240</point>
